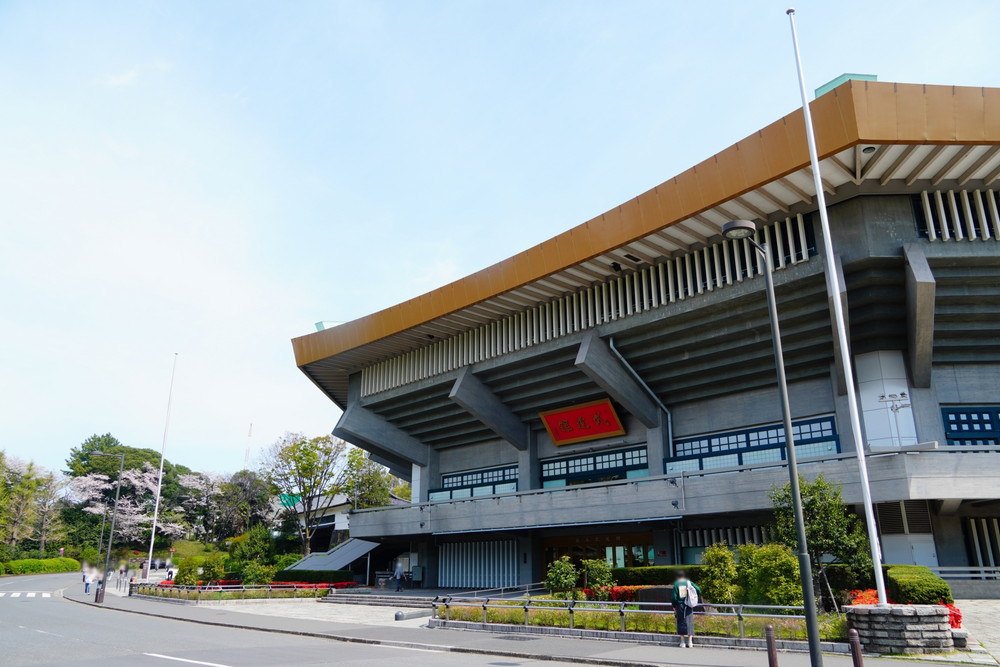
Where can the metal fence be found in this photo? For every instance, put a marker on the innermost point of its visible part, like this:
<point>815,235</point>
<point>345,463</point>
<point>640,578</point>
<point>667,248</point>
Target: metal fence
<point>738,611</point>
<point>967,573</point>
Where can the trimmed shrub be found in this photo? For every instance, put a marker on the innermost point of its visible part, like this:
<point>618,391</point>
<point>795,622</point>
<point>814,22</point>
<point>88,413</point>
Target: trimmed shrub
<point>916,584</point>
<point>597,573</point>
<point>42,565</point>
<point>3,569</point>
<point>314,576</point>
<point>719,576</point>
<point>769,574</point>
<point>187,571</point>
<point>213,568</point>
<point>561,575</point>
<point>285,561</point>
<point>657,575</point>
<point>256,574</point>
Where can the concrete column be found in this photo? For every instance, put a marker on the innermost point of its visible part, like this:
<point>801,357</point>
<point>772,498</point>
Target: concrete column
<point>529,472</point>
<point>425,477</point>
<point>657,446</point>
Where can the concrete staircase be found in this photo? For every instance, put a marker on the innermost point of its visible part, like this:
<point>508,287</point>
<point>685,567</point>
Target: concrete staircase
<point>379,600</point>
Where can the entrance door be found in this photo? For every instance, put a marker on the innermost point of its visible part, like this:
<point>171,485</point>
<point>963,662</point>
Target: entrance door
<point>924,551</point>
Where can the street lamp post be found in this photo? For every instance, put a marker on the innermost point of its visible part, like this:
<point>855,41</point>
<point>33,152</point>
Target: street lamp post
<point>744,229</point>
<point>99,595</point>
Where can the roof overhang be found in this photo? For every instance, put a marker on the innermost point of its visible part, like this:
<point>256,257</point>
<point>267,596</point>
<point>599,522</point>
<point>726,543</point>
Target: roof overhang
<point>871,136</point>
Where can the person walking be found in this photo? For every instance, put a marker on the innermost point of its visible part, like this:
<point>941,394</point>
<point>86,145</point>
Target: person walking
<point>398,576</point>
<point>88,579</point>
<point>685,599</point>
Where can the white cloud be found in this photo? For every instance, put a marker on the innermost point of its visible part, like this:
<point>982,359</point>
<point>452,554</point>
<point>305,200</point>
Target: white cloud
<point>127,78</point>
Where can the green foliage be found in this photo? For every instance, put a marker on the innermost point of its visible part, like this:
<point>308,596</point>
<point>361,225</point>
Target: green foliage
<point>719,575</point>
<point>183,549</point>
<point>831,528</point>
<point>285,561</point>
<point>769,574</point>
<point>403,490</point>
<point>596,573</point>
<point>89,554</point>
<point>916,584</point>
<point>314,576</point>
<point>656,575</point>
<point>254,545</point>
<point>561,575</point>
<point>244,500</point>
<point>187,571</point>
<point>213,568</point>
<point>366,482</point>
<point>257,574</point>
<point>42,565</point>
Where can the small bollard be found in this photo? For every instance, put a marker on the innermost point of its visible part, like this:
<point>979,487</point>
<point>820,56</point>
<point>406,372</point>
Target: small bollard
<point>772,646</point>
<point>399,616</point>
<point>855,643</point>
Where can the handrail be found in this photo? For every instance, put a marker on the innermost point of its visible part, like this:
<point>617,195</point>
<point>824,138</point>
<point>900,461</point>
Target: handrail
<point>966,572</point>
<point>622,608</point>
<point>502,590</point>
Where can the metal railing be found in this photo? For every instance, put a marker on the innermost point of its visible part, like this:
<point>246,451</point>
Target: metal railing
<point>503,592</point>
<point>622,609</point>
<point>967,573</point>
<point>221,593</point>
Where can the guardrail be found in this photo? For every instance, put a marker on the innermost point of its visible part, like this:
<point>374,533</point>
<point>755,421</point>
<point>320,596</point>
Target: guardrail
<point>503,591</point>
<point>737,611</point>
<point>967,573</point>
<point>220,593</point>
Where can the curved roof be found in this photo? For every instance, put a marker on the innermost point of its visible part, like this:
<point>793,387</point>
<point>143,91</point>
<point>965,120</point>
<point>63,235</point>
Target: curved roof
<point>920,133</point>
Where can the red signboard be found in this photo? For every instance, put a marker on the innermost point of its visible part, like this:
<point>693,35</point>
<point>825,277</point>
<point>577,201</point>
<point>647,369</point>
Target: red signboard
<point>580,423</point>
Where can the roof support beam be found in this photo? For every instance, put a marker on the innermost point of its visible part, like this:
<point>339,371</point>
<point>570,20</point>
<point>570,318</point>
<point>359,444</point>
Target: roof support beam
<point>837,162</point>
<point>958,157</point>
<point>992,176</point>
<point>919,169</point>
<point>796,190</point>
<point>894,167</point>
<point>476,398</point>
<point>874,161</point>
<point>920,291</point>
<point>753,209</point>
<point>827,185</point>
<point>363,428</point>
<point>597,361</point>
<point>978,164</point>
<point>782,206</point>
<point>397,468</point>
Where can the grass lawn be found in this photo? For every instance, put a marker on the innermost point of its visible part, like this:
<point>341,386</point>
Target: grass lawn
<point>184,549</point>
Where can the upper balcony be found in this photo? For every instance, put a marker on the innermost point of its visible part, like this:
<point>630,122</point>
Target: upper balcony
<point>947,473</point>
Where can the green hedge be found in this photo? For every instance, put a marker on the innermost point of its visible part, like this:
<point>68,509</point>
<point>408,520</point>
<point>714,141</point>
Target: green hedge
<point>916,584</point>
<point>314,576</point>
<point>41,565</point>
<point>660,575</point>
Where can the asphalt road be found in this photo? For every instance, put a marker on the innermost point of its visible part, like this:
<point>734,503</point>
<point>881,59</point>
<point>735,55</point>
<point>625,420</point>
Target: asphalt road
<point>40,630</point>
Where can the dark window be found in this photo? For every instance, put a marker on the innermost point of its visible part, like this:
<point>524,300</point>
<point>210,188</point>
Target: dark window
<point>972,425</point>
<point>598,467</point>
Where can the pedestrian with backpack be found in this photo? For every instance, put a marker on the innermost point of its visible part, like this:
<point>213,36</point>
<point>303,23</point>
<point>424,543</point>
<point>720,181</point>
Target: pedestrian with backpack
<point>685,599</point>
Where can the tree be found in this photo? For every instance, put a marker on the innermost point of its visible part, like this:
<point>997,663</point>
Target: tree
<point>244,500</point>
<point>48,515</point>
<point>18,493</point>
<point>305,471</point>
<point>769,574</point>
<point>719,574</point>
<point>200,498</point>
<point>833,533</point>
<point>597,574</point>
<point>561,575</point>
<point>367,483</point>
<point>402,490</point>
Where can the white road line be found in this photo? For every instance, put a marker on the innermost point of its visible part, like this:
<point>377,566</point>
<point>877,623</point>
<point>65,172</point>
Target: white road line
<point>29,595</point>
<point>15,595</point>
<point>2,593</point>
<point>46,595</point>
<point>193,662</point>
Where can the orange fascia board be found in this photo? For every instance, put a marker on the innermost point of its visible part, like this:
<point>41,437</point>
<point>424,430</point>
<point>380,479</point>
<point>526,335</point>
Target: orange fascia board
<point>854,112</point>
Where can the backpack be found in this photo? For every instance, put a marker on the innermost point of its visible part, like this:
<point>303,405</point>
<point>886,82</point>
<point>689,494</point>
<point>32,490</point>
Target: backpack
<point>692,596</point>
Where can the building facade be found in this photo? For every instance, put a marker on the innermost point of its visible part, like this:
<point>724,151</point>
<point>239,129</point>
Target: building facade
<point>611,392</point>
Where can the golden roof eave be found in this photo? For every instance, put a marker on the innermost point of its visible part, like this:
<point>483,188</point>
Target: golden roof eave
<point>853,113</point>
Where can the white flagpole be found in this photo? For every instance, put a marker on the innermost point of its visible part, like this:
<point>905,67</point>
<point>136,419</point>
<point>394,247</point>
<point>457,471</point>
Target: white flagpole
<point>159,479</point>
<point>833,288</point>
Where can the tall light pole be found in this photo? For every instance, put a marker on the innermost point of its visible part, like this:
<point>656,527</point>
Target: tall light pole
<point>833,290</point>
<point>159,478</point>
<point>99,595</point>
<point>744,229</point>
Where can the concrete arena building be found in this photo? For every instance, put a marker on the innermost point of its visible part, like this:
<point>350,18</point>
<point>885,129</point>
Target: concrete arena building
<point>611,392</point>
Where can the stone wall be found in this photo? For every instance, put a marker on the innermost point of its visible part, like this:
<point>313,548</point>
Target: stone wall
<point>910,629</point>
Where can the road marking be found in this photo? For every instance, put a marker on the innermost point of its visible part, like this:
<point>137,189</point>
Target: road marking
<point>2,593</point>
<point>46,595</point>
<point>15,595</point>
<point>29,595</point>
<point>193,662</point>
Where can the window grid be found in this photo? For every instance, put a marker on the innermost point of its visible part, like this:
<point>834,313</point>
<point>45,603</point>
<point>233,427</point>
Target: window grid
<point>621,460</point>
<point>972,425</point>
<point>816,436</point>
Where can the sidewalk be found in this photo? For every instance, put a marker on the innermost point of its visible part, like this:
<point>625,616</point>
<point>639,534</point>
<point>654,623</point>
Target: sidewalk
<point>355,626</point>
<point>982,619</point>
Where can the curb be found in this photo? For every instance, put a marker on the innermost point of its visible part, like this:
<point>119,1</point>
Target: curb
<point>442,648</point>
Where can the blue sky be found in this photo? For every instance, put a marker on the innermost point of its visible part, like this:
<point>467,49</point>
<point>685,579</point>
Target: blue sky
<point>213,178</point>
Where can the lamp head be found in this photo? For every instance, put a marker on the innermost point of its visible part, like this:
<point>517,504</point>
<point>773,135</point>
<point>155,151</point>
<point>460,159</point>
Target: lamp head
<point>739,229</point>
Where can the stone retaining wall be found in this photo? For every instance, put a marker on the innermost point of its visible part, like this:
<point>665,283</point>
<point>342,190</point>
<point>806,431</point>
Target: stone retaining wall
<point>911,629</point>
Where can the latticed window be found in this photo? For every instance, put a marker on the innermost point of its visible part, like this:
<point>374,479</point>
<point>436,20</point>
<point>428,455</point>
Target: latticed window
<point>972,425</point>
<point>602,465</point>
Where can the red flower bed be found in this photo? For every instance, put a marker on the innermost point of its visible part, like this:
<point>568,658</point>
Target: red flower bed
<point>870,596</point>
<point>613,593</point>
